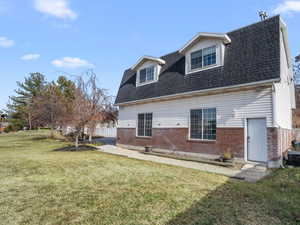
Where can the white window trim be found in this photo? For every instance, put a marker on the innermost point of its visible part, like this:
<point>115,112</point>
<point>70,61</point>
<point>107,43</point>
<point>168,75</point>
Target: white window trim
<point>155,76</point>
<point>202,56</point>
<point>196,139</point>
<point>219,60</point>
<point>203,68</point>
<point>137,125</point>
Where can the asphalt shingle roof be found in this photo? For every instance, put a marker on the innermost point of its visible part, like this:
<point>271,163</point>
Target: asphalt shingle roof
<point>253,55</point>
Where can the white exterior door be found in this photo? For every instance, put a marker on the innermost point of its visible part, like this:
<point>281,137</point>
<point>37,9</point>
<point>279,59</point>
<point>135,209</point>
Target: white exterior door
<point>257,140</point>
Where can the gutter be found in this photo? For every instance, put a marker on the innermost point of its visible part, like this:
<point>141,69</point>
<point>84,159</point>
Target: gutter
<point>186,94</point>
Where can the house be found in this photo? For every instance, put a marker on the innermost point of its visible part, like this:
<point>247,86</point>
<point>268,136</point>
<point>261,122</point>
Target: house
<point>3,122</point>
<point>221,92</point>
<point>3,125</point>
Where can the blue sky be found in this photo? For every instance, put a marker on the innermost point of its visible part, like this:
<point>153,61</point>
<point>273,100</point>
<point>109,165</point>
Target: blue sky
<point>69,36</point>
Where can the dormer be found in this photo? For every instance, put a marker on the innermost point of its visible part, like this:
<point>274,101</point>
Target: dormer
<point>147,70</point>
<point>204,51</point>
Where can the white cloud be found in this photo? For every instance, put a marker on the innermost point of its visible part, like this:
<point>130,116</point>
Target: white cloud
<point>6,43</point>
<point>57,8</point>
<point>73,63</point>
<point>287,7</point>
<point>30,57</point>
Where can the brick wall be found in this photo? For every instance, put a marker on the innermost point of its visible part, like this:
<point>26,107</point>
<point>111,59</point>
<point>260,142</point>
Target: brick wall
<point>228,139</point>
<point>272,141</point>
<point>279,141</point>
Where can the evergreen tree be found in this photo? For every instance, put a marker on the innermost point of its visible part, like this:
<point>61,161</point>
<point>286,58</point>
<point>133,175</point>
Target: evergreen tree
<point>19,106</point>
<point>66,87</point>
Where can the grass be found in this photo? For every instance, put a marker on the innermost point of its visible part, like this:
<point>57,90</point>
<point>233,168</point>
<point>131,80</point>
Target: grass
<point>41,186</point>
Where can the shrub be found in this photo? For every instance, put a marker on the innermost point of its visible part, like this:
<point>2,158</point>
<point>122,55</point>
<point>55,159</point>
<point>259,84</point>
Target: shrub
<point>11,128</point>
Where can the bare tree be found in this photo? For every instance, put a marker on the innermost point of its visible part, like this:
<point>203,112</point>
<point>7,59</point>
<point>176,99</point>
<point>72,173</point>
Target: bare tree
<point>108,114</point>
<point>297,69</point>
<point>49,108</point>
<point>89,105</point>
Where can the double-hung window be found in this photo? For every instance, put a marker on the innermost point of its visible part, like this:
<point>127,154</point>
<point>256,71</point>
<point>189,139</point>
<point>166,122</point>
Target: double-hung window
<point>203,124</point>
<point>203,58</point>
<point>144,125</point>
<point>147,74</point>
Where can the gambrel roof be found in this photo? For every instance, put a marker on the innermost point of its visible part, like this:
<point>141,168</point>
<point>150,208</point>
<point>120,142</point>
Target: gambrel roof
<point>252,54</point>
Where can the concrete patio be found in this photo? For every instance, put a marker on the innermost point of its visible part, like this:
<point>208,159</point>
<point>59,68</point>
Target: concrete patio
<point>250,172</point>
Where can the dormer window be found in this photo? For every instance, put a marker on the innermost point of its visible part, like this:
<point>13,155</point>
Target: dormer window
<point>203,58</point>
<point>147,70</point>
<point>204,51</point>
<point>147,74</point>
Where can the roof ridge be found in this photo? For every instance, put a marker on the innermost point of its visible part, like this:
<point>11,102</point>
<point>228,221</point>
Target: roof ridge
<point>272,17</point>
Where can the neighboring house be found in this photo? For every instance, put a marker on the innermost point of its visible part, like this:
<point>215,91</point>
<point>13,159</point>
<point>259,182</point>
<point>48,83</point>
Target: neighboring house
<point>221,92</point>
<point>3,125</point>
<point>3,122</point>
<point>296,112</point>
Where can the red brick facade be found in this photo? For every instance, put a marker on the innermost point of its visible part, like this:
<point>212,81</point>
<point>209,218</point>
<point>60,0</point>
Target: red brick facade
<point>228,139</point>
<point>279,141</point>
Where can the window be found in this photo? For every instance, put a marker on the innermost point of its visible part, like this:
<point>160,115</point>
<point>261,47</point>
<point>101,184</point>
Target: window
<point>144,125</point>
<point>196,60</point>
<point>147,74</point>
<point>203,124</point>
<point>204,57</point>
<point>209,56</point>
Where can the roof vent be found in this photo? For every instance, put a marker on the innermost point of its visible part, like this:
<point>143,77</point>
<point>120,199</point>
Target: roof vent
<point>263,15</point>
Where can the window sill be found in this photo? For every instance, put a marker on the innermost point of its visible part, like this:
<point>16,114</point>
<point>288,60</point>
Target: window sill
<point>202,141</point>
<point>145,83</point>
<point>202,69</point>
<point>143,137</point>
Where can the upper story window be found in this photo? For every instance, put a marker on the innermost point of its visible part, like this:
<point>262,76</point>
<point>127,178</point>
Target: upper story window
<point>146,74</point>
<point>205,51</point>
<point>147,70</point>
<point>203,58</point>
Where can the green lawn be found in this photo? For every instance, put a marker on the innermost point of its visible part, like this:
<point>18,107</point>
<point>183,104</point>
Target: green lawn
<point>41,186</point>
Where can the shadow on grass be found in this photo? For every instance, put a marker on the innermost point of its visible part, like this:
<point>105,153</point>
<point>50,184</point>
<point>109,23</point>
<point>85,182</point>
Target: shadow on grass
<point>39,138</point>
<point>274,200</point>
<point>72,148</point>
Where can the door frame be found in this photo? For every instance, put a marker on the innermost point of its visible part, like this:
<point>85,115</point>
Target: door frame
<point>246,138</point>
